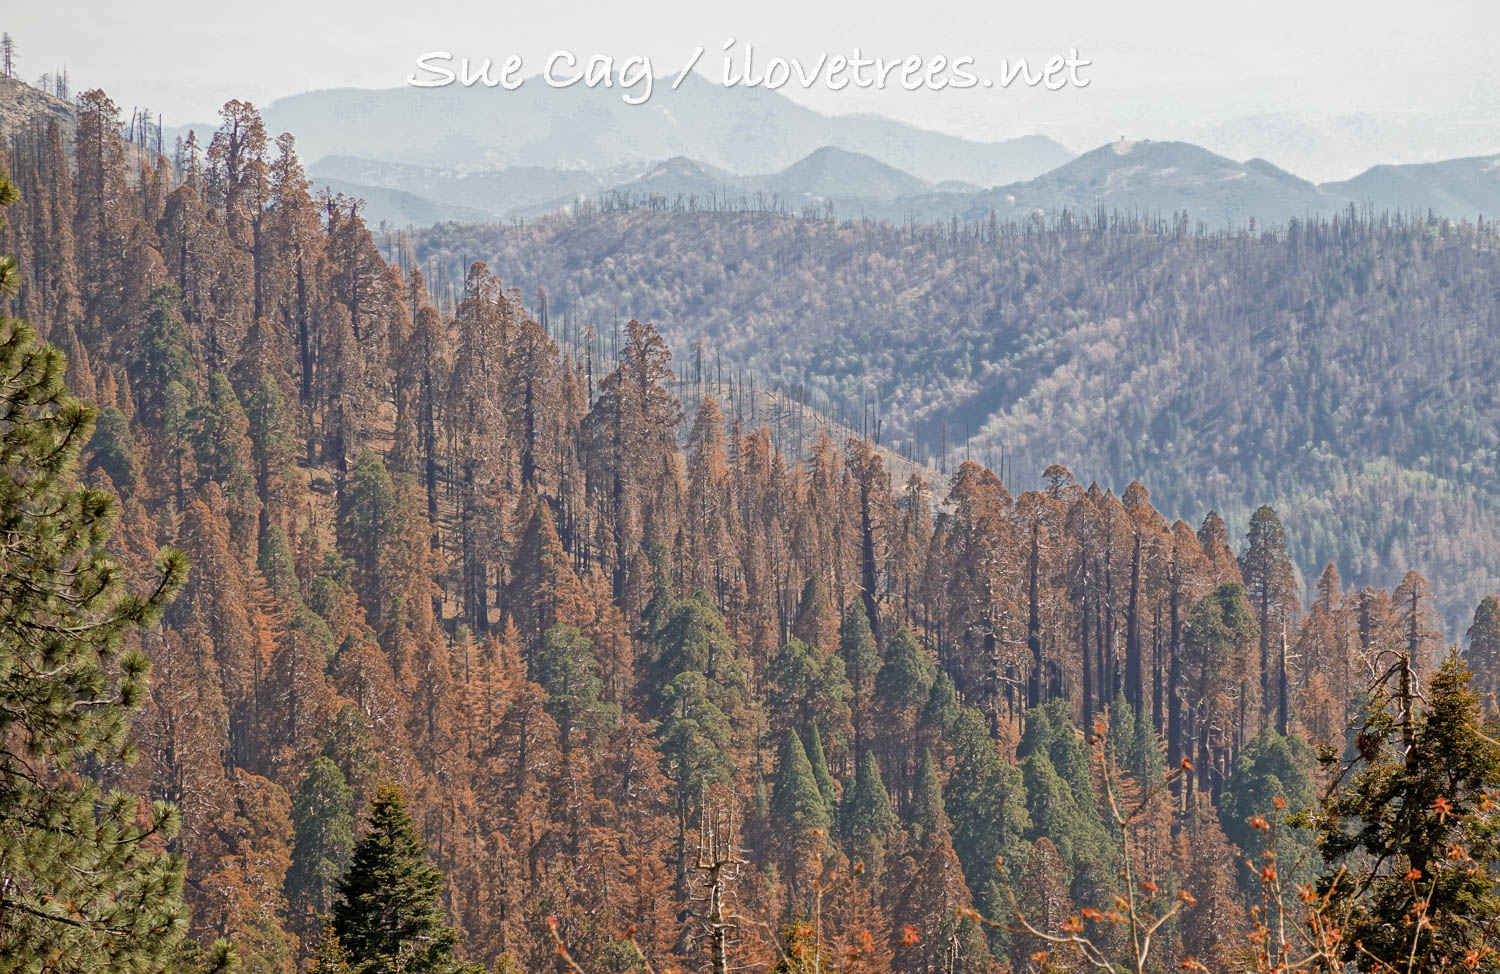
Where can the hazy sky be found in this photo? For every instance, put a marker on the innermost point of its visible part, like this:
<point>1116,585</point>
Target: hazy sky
<point>1155,63</point>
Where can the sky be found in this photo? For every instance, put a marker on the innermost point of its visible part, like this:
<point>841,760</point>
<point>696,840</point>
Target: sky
<point>1168,68</point>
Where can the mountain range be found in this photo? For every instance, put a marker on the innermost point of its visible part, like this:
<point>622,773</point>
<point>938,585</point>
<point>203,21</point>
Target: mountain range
<point>741,130</point>
<point>1143,176</point>
<point>421,157</point>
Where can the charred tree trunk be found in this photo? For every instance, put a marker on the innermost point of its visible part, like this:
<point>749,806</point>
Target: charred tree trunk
<point>1034,690</point>
<point>1134,672</point>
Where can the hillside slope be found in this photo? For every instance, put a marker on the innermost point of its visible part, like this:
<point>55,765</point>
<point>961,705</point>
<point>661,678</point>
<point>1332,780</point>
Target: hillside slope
<point>1348,363</point>
<point>1454,186</point>
<point>20,102</point>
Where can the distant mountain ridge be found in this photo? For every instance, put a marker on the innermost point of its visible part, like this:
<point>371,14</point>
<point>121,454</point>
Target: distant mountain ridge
<point>1453,186</point>
<point>1144,176</point>
<point>740,130</point>
<point>444,158</point>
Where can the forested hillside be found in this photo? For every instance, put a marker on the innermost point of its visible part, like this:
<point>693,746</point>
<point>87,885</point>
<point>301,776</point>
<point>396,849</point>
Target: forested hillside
<point>504,646</point>
<point>1343,370</point>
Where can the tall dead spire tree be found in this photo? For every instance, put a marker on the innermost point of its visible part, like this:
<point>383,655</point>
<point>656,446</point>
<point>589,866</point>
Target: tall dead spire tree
<point>718,868</point>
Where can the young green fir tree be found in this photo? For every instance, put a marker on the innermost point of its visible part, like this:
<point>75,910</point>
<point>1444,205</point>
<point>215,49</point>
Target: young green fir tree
<point>1410,844</point>
<point>818,759</point>
<point>330,957</point>
<point>388,914</point>
<point>797,805</point>
<point>84,887</point>
<point>868,822</point>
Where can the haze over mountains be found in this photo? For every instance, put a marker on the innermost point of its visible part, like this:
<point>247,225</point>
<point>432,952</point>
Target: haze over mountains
<point>485,155</point>
<point>470,155</point>
<point>1146,177</point>
<point>738,129</point>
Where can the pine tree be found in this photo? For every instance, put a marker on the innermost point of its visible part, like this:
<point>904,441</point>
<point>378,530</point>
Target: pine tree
<point>934,928</point>
<point>84,889</point>
<point>566,668</point>
<point>222,451</point>
<point>113,452</point>
<point>808,687</point>
<point>1219,629</point>
<point>273,446</point>
<point>985,802</point>
<point>902,687</point>
<point>796,803</point>
<point>388,914</point>
<point>161,355</point>
<point>367,515</point>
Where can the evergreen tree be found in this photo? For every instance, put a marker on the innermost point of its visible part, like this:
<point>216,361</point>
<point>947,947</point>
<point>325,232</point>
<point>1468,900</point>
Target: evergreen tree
<point>808,687</point>
<point>1484,649</point>
<point>367,526</point>
<point>868,822</point>
<point>1060,801</point>
<point>1219,630</point>
<point>221,448</point>
<point>273,443</point>
<point>697,692</point>
<point>388,914</point>
<point>329,957</point>
<point>161,356</point>
<point>861,662</point>
<point>799,820</point>
<point>84,889</point>
<point>1410,844</point>
<point>1271,581</point>
<point>926,809</point>
<point>277,566</point>
<point>323,829</point>
<point>797,805</point>
<point>941,712</point>
<point>565,667</point>
<point>934,927</point>
<point>902,687</point>
<point>819,762</point>
<point>112,451</point>
<point>985,802</point>
<point>1270,767</point>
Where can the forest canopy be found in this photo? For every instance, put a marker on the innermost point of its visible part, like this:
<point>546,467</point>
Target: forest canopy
<point>505,650</point>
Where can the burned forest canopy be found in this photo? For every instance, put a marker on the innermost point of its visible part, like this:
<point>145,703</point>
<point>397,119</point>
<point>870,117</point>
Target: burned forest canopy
<point>560,649</point>
<point>1340,370</point>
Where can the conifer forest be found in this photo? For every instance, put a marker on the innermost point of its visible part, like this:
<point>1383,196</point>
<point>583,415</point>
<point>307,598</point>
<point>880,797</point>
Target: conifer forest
<point>363,613</point>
